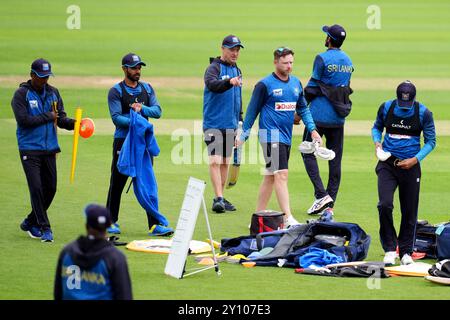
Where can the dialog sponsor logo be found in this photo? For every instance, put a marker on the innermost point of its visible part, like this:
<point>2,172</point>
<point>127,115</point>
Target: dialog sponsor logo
<point>285,106</point>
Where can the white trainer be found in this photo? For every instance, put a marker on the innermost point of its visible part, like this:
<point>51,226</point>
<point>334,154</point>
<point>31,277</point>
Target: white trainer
<point>307,147</point>
<point>389,258</point>
<point>324,153</point>
<point>291,221</point>
<point>406,259</point>
<point>320,204</point>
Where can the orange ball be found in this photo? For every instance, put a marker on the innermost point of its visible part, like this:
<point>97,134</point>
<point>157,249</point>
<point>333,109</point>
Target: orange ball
<point>87,128</point>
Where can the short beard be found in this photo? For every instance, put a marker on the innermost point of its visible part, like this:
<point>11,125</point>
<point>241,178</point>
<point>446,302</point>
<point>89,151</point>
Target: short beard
<point>129,77</point>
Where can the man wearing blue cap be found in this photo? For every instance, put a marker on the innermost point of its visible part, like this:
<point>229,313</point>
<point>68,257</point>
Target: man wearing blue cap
<point>404,119</point>
<point>122,97</point>
<point>39,109</point>
<point>222,111</point>
<point>91,268</point>
<point>328,93</point>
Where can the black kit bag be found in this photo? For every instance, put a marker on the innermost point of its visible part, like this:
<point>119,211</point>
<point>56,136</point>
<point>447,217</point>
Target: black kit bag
<point>426,239</point>
<point>266,221</point>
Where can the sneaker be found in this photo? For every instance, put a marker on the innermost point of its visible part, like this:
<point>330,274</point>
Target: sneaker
<point>218,205</point>
<point>158,230</point>
<point>389,258</point>
<point>33,231</point>
<point>406,259</point>
<point>307,147</point>
<point>47,236</point>
<point>114,229</point>
<point>291,221</point>
<point>320,204</point>
<point>228,205</point>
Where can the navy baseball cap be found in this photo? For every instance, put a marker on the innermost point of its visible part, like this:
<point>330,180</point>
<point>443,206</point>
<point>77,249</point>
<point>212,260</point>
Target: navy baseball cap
<point>335,32</point>
<point>406,93</point>
<point>97,217</point>
<point>42,68</point>
<point>231,41</point>
<point>132,60</point>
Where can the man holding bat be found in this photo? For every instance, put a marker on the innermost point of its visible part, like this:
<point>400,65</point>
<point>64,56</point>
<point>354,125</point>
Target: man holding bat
<point>222,110</point>
<point>276,99</point>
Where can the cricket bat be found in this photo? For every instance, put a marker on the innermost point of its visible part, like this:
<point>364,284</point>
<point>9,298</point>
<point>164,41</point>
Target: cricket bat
<point>233,172</point>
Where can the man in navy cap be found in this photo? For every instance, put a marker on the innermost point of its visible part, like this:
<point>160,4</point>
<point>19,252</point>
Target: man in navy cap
<point>222,111</point>
<point>39,109</point>
<point>328,96</point>
<point>91,268</point>
<point>140,96</point>
<point>404,119</point>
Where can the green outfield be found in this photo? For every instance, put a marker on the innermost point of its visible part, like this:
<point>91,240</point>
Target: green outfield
<point>177,38</point>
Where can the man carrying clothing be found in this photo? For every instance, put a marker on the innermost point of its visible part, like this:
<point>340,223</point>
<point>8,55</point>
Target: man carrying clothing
<point>222,110</point>
<point>328,94</point>
<point>276,98</point>
<point>404,119</point>
<point>124,96</point>
<point>39,109</point>
<point>91,268</point>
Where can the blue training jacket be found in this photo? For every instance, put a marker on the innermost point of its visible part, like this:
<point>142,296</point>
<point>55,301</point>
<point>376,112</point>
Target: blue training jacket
<point>402,146</point>
<point>222,102</point>
<point>276,101</point>
<point>334,68</point>
<point>122,121</point>
<point>36,130</point>
<point>135,162</point>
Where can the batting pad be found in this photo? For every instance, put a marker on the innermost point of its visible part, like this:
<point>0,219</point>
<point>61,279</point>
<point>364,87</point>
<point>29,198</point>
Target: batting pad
<point>164,245</point>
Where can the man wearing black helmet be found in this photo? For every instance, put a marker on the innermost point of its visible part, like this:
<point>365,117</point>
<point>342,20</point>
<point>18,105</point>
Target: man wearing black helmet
<point>400,155</point>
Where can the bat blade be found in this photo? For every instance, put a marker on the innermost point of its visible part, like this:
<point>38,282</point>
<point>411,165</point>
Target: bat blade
<point>233,172</point>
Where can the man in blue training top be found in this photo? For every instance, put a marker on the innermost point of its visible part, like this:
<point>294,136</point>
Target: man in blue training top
<point>91,268</point>
<point>276,98</point>
<point>39,110</point>
<point>404,119</point>
<point>222,110</point>
<point>328,96</point>
<point>124,96</point>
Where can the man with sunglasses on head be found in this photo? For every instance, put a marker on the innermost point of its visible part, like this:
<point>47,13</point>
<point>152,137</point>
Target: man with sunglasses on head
<point>328,93</point>
<point>124,96</point>
<point>39,109</point>
<point>276,99</point>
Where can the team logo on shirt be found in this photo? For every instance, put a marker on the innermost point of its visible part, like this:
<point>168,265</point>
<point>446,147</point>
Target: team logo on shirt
<point>277,92</point>
<point>225,77</point>
<point>285,106</point>
<point>33,104</point>
<point>296,91</point>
